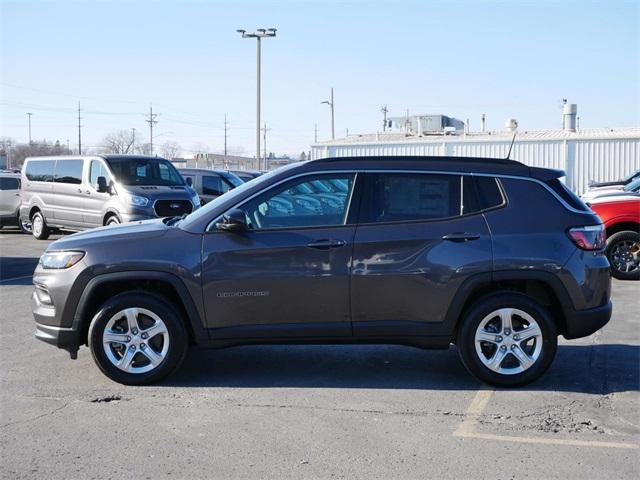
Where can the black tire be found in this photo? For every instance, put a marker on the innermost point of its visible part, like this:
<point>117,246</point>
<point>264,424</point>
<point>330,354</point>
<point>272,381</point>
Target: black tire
<point>472,319</point>
<point>177,335</point>
<point>618,251</point>
<point>112,220</point>
<point>40,233</point>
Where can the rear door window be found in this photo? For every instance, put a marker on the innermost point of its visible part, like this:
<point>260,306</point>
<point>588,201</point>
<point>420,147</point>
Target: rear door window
<point>40,170</point>
<point>69,171</point>
<point>9,183</point>
<point>402,197</point>
<point>213,185</point>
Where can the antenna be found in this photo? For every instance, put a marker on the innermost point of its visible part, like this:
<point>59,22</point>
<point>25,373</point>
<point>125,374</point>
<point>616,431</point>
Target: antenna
<point>511,146</point>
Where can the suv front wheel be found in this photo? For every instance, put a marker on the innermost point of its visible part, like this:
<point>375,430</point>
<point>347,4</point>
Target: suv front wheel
<point>137,338</point>
<point>507,339</point>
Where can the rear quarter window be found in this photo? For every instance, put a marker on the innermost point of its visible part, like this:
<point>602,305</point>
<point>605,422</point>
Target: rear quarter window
<point>40,170</point>
<point>567,195</point>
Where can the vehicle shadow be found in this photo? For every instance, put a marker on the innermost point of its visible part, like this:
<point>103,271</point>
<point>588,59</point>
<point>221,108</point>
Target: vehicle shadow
<point>17,270</point>
<point>598,369</point>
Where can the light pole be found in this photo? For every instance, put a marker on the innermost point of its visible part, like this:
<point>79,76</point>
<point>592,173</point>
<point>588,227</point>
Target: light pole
<point>259,34</point>
<point>330,103</point>
<point>29,115</point>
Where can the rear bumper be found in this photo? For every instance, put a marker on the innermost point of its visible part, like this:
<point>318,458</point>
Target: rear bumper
<point>582,323</point>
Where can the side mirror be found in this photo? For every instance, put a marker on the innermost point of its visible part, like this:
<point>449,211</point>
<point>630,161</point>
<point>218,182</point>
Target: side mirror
<point>189,181</point>
<point>101,186</point>
<point>234,220</point>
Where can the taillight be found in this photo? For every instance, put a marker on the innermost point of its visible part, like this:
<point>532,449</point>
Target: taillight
<point>592,237</point>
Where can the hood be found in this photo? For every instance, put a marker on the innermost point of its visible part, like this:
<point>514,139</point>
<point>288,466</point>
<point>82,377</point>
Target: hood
<point>144,229</point>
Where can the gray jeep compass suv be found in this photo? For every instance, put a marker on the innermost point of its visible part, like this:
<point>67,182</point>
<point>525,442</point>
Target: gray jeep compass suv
<point>491,255</point>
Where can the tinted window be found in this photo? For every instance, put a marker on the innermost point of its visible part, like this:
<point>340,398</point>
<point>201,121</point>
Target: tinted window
<point>144,171</point>
<point>97,169</point>
<point>69,171</point>
<point>567,195</point>
<point>489,194</point>
<point>289,205</point>
<point>40,170</point>
<point>397,197</point>
<point>9,183</point>
<point>213,185</point>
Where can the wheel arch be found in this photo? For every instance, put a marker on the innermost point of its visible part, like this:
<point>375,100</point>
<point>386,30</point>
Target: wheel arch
<point>164,284</point>
<point>542,286</point>
<point>618,227</point>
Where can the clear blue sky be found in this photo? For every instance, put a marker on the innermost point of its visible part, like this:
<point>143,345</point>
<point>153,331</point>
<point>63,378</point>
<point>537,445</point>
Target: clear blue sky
<point>505,59</point>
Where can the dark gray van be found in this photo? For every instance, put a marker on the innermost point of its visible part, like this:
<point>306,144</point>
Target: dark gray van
<point>77,193</point>
<point>210,184</point>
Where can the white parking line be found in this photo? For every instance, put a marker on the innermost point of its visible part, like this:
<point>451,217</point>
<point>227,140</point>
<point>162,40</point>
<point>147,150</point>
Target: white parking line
<point>467,429</point>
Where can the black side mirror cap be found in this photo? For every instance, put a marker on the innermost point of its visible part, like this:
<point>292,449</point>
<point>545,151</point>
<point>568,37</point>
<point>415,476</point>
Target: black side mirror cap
<point>234,220</point>
<point>189,181</point>
<point>101,185</point>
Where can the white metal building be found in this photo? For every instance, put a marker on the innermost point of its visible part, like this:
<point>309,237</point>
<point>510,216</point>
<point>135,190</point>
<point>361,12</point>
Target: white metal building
<point>598,154</point>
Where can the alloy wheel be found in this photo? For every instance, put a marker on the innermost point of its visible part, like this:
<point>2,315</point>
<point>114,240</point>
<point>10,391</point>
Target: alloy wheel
<point>135,340</point>
<point>508,341</point>
<point>625,256</point>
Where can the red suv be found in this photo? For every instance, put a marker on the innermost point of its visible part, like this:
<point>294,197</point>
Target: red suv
<point>621,217</point>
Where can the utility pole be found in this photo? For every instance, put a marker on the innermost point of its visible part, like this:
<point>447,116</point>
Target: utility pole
<point>68,151</point>
<point>79,131</point>
<point>133,140</point>
<point>264,133</point>
<point>29,115</point>
<point>259,34</point>
<point>384,111</point>
<point>152,121</point>
<point>330,103</point>
<point>315,133</point>
<point>225,137</point>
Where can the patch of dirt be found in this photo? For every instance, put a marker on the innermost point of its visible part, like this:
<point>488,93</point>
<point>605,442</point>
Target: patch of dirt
<point>570,417</point>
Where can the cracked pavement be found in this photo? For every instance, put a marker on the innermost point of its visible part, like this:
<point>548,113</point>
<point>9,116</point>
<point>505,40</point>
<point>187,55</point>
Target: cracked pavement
<point>310,411</point>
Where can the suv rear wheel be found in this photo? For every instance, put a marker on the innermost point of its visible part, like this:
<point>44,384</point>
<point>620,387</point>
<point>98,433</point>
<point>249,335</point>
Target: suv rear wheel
<point>137,338</point>
<point>507,339</point>
<point>623,252</point>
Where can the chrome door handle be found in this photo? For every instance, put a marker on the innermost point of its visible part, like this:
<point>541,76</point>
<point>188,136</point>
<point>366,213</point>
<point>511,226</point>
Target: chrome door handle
<point>461,237</point>
<point>326,244</point>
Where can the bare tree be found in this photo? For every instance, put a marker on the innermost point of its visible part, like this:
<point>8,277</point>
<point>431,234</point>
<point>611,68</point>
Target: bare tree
<point>119,142</point>
<point>170,150</point>
<point>17,152</point>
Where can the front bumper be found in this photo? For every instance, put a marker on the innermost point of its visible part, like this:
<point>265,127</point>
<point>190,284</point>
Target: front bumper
<point>582,323</point>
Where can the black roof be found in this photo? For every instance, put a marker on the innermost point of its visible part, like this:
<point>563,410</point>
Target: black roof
<point>498,166</point>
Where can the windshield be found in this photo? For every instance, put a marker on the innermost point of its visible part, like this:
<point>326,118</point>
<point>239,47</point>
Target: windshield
<point>633,186</point>
<point>144,171</point>
<point>632,176</point>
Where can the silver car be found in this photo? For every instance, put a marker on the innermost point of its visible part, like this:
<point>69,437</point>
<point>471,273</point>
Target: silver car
<point>9,199</point>
<point>77,193</point>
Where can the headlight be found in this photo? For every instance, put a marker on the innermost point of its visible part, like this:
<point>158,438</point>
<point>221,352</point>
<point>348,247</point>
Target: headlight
<point>136,200</point>
<point>60,260</point>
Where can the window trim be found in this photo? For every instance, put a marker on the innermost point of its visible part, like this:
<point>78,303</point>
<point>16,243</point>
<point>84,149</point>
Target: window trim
<point>211,225</point>
<point>498,176</point>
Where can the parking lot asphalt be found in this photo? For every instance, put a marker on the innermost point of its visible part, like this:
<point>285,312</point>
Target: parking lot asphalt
<point>313,411</point>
